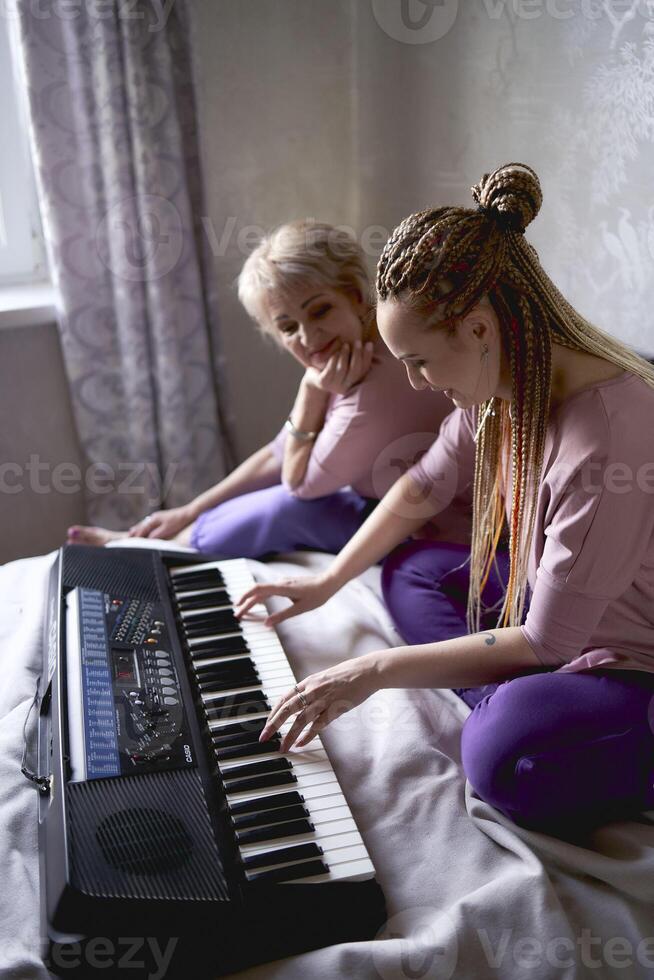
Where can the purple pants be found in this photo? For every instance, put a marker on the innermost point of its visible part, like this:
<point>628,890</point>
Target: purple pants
<point>270,521</point>
<point>560,753</point>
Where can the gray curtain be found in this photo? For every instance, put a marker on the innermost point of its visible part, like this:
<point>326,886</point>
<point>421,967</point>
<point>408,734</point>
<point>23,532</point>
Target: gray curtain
<point>113,126</point>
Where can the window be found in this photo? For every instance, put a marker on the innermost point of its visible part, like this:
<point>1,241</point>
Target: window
<point>22,248</point>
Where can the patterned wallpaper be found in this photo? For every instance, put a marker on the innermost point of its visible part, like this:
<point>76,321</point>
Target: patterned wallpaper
<point>564,85</point>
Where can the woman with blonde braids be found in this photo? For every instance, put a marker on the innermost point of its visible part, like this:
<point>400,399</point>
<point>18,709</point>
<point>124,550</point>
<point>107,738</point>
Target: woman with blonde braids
<point>553,425</point>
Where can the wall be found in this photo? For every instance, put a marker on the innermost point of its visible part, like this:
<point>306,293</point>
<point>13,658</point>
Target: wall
<point>276,118</point>
<point>36,436</point>
<point>567,87</point>
<point>340,111</point>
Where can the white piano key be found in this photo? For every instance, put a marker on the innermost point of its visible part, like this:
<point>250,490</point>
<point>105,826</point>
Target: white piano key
<point>338,812</point>
<point>328,833</point>
<point>334,826</point>
<point>345,856</point>
<point>306,769</point>
<point>215,724</point>
<point>263,757</point>
<point>308,762</point>
<point>273,754</point>
<point>355,871</point>
<point>326,788</point>
<point>343,850</point>
<point>272,691</point>
<point>311,837</point>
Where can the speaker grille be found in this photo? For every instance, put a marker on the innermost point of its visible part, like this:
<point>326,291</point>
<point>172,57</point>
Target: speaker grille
<point>144,841</point>
<point>145,836</point>
<point>111,570</point>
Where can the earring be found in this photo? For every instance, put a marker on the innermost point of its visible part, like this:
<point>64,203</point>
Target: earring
<point>485,354</point>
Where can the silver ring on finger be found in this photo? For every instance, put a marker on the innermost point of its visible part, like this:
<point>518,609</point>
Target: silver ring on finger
<point>303,700</point>
<point>148,519</point>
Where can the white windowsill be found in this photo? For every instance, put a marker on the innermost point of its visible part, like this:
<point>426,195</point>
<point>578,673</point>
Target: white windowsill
<point>27,304</point>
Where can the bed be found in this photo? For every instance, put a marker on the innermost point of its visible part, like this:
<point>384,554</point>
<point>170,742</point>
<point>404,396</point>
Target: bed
<point>469,894</point>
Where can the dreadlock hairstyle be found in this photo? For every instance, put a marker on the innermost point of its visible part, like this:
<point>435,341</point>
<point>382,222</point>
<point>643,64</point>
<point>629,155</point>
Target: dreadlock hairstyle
<point>444,261</point>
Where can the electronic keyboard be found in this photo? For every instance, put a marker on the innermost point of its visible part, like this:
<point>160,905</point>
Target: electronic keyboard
<point>163,821</point>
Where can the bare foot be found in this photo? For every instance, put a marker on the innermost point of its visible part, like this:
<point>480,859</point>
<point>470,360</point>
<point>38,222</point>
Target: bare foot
<point>79,534</point>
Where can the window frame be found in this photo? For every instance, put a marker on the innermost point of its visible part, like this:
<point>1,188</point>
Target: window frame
<point>23,255</point>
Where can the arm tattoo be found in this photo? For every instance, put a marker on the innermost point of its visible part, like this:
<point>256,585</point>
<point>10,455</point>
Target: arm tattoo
<point>489,639</point>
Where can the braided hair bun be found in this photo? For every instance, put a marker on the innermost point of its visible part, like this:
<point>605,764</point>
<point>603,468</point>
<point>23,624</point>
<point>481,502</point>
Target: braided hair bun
<point>511,195</point>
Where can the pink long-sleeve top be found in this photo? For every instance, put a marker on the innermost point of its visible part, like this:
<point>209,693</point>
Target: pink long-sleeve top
<point>372,435</point>
<point>591,564</point>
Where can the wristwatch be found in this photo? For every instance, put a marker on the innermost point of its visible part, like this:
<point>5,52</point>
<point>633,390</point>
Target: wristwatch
<point>298,433</point>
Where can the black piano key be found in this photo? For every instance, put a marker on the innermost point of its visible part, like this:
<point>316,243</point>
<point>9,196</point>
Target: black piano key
<point>230,646</point>
<point>224,668</point>
<point>237,654</point>
<point>254,748</point>
<point>272,802</point>
<point>215,597</point>
<point>250,678</point>
<point>198,630</point>
<point>205,578</point>
<point>207,688</point>
<point>217,676</point>
<point>246,674</point>
<point>246,728</point>
<point>253,703</point>
<point>208,615</point>
<point>215,698</point>
<point>243,697</point>
<point>235,678</point>
<point>265,781</point>
<point>240,739</point>
<point>204,624</point>
<point>296,852</point>
<point>255,768</point>
<point>264,817</point>
<point>291,828</point>
<point>230,741</point>
<point>307,869</point>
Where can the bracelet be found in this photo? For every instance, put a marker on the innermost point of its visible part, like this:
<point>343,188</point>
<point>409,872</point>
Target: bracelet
<point>298,433</point>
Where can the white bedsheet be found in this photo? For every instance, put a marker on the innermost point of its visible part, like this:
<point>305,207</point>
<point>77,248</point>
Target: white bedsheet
<point>469,894</point>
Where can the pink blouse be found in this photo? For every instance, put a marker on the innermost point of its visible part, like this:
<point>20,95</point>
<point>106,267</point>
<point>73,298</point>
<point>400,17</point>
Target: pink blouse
<point>591,566</point>
<point>374,434</point>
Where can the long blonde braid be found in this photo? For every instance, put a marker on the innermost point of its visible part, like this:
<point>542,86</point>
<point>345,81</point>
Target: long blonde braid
<point>445,260</point>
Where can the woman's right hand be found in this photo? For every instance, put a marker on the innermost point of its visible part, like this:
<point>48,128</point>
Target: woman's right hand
<point>163,524</point>
<point>344,369</point>
<point>305,593</point>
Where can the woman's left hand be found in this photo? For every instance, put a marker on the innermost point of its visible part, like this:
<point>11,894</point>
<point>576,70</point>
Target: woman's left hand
<point>328,694</point>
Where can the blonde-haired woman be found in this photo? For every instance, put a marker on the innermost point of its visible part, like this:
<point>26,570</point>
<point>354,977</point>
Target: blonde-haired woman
<point>353,428</point>
<point>554,423</point>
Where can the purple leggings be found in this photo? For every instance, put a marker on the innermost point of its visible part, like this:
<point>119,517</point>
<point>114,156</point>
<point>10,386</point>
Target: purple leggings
<point>554,752</point>
<point>270,521</point>
<point>560,753</point>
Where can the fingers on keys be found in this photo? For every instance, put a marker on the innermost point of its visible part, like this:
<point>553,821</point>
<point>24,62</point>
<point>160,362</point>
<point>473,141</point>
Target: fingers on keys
<point>311,732</point>
<point>305,717</point>
<point>279,617</point>
<point>255,595</point>
<point>289,704</point>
